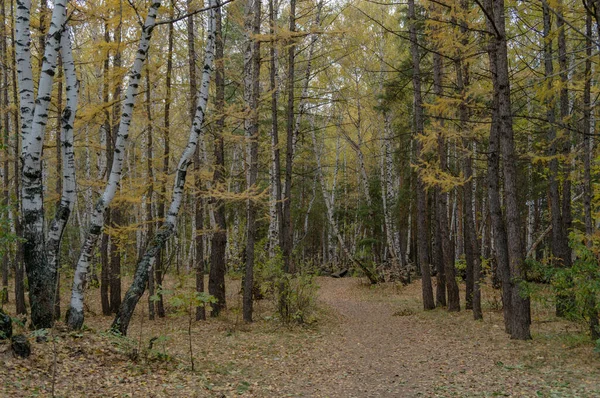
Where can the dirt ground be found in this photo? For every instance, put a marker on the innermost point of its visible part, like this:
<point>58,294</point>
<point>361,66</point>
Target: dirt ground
<point>367,342</point>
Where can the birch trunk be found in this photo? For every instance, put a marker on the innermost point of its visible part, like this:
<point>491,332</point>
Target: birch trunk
<point>68,185</point>
<point>41,277</point>
<point>75,314</point>
<point>121,321</point>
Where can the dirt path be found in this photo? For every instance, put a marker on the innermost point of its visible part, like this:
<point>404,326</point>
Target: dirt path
<point>371,342</point>
<point>375,352</point>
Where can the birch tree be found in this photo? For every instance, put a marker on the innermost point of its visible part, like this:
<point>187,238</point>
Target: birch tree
<point>75,315</point>
<point>34,116</point>
<point>135,291</point>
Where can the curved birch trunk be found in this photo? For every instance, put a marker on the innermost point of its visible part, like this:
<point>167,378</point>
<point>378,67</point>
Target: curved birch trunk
<point>140,279</point>
<point>34,117</point>
<point>75,312</point>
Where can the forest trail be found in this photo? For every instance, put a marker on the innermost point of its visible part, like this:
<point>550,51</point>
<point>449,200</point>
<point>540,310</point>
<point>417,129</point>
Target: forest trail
<point>385,346</point>
<point>368,341</point>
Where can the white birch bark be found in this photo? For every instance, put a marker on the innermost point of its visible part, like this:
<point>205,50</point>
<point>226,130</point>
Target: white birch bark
<point>67,200</point>
<point>121,322</point>
<point>34,117</point>
<point>75,313</point>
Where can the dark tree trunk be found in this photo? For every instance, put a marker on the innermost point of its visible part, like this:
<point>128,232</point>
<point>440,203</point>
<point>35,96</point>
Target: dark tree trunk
<point>438,257</point>
<point>472,255</point>
<point>199,205</point>
<point>115,263</point>
<point>521,316</point>
<point>140,279</point>
<point>565,303</point>
<point>159,268</point>
<point>20,305</point>
<point>105,271</point>
<point>275,124</point>
<point>115,214</point>
<point>493,181</point>
<point>423,233</point>
<point>591,310</point>
<point>251,78</point>
<point>288,236</point>
<point>442,203</point>
<point>104,261</point>
<point>216,281</point>
<point>5,141</point>
<point>149,199</point>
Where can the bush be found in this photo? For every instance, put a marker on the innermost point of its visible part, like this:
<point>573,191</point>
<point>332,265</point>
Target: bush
<point>294,295</point>
<point>578,287</point>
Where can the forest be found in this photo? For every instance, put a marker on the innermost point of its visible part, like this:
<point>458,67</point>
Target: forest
<point>198,197</point>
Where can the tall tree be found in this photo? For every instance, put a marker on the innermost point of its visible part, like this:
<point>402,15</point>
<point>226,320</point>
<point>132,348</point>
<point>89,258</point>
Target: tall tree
<point>75,313</point>
<point>34,117</point>
<point>502,127</point>
<point>216,281</point>
<point>423,240</point>
<point>288,235</point>
<point>140,279</point>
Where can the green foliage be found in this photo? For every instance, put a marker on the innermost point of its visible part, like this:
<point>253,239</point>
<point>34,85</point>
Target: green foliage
<point>293,294</point>
<point>185,300</point>
<point>6,236</point>
<point>578,286</point>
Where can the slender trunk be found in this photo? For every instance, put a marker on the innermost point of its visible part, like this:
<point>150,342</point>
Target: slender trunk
<point>20,306</point>
<point>5,143</point>
<point>115,214</point>
<point>472,253</point>
<point>442,204</point>
<point>565,302</point>
<point>591,310</point>
<point>276,227</point>
<point>216,281</point>
<point>288,236</point>
<point>493,181</point>
<point>159,266</point>
<point>140,279</point>
<point>149,202</point>
<point>199,205</point>
<point>423,238</point>
<point>75,314</point>
<point>521,315</point>
<point>251,97</point>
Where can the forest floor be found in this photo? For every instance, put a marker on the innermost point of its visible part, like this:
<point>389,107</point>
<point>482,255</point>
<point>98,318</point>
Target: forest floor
<point>369,341</point>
